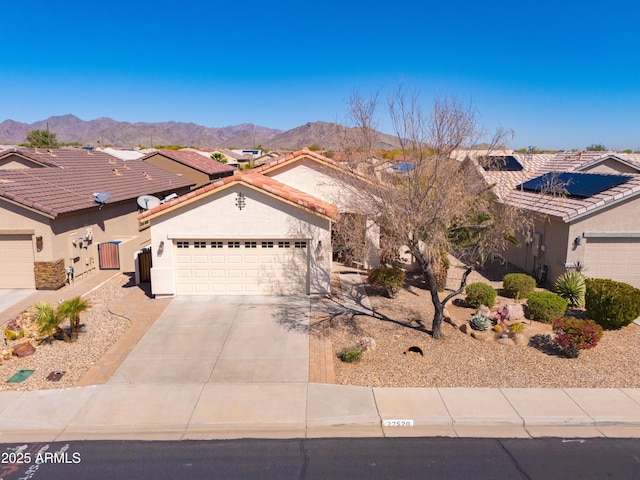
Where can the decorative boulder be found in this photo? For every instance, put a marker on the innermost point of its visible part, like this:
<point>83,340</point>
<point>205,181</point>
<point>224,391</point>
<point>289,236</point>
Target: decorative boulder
<point>24,350</point>
<point>515,311</point>
<point>367,343</point>
<point>15,324</point>
<point>484,311</point>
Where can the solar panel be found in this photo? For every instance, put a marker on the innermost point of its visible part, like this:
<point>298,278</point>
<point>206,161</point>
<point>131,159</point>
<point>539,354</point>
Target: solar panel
<point>582,185</point>
<point>502,163</point>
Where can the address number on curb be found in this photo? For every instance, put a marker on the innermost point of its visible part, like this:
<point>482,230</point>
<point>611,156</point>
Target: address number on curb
<point>397,423</point>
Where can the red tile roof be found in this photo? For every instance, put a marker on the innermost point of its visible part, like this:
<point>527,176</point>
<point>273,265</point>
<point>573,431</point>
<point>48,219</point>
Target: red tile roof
<point>292,157</point>
<point>260,182</point>
<point>194,160</point>
<point>74,175</point>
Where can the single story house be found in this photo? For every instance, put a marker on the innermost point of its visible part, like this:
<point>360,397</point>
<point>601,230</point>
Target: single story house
<point>265,231</point>
<point>190,164</point>
<point>72,208</point>
<point>247,234</point>
<point>587,210</point>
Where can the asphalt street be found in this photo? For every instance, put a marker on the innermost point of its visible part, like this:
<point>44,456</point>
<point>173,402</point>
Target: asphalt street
<point>331,459</point>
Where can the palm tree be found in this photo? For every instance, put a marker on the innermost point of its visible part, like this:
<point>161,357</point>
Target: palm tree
<point>49,321</point>
<point>72,309</point>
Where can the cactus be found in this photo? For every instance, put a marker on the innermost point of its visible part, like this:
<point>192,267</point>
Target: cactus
<point>480,322</point>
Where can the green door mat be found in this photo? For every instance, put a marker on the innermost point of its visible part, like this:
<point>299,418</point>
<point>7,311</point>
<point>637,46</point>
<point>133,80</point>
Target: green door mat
<point>21,376</point>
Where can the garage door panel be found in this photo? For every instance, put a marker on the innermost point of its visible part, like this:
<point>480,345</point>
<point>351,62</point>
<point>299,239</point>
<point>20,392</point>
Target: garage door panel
<point>16,260</point>
<point>614,258</point>
<point>242,267</point>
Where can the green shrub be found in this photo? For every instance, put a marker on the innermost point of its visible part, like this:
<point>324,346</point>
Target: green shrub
<point>350,354</point>
<point>391,279</point>
<point>480,294</point>
<point>518,285</point>
<point>610,304</point>
<point>545,306</point>
<point>480,322</point>
<point>573,335</point>
<point>571,287</point>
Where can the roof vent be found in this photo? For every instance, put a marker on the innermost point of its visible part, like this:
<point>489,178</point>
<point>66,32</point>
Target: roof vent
<point>101,198</point>
<point>115,170</point>
<point>146,175</point>
<point>112,161</point>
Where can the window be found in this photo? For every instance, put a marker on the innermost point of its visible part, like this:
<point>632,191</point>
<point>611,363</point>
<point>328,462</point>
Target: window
<point>216,244</point>
<point>300,244</point>
<point>199,244</point>
<point>233,244</point>
<point>284,244</point>
<point>267,244</point>
<point>183,244</point>
<point>250,244</point>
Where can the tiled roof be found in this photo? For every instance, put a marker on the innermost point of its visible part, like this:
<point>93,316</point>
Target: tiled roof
<point>291,157</point>
<point>193,160</point>
<point>260,182</point>
<point>74,175</point>
<point>565,207</point>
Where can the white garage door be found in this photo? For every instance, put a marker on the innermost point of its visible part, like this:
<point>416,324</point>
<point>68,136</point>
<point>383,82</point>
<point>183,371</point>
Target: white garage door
<point>241,267</point>
<point>615,258</point>
<point>16,262</point>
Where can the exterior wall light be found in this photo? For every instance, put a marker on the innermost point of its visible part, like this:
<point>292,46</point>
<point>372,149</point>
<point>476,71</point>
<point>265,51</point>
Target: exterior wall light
<point>161,248</point>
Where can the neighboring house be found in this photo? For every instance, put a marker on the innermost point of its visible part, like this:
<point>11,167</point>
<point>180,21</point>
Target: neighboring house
<point>247,234</point>
<point>328,180</point>
<point>51,217</point>
<point>588,206</point>
<point>266,231</point>
<point>190,164</point>
<point>125,155</point>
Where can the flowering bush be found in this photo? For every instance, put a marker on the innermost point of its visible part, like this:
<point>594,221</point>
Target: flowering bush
<point>573,335</point>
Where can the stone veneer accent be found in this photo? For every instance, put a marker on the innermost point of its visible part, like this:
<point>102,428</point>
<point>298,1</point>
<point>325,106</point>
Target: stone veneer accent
<point>50,275</point>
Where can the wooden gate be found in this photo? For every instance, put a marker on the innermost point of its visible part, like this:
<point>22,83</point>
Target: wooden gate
<point>144,265</point>
<point>108,255</point>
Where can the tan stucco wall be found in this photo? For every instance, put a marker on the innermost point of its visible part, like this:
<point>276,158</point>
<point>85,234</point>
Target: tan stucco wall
<point>332,186</point>
<point>112,222</point>
<point>217,217</point>
<point>620,218</point>
<point>558,237</point>
<point>610,166</point>
<point>554,234</point>
<point>172,166</point>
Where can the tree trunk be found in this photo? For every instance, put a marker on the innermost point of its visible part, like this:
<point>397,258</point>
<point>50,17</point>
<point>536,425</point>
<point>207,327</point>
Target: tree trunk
<point>438,315</point>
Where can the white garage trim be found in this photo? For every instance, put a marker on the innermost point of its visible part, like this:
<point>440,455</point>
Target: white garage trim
<point>613,257</point>
<point>16,259</point>
<point>241,266</point>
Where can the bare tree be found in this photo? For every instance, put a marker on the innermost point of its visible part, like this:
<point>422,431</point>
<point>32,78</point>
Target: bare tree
<point>441,204</point>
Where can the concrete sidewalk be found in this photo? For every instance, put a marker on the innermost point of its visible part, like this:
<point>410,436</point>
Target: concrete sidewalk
<point>219,408</point>
<point>298,410</point>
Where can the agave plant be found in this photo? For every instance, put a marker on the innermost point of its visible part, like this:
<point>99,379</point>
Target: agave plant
<point>480,322</point>
<point>571,287</point>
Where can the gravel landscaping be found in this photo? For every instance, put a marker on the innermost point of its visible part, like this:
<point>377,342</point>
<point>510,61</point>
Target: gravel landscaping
<point>457,360</point>
<point>101,330</point>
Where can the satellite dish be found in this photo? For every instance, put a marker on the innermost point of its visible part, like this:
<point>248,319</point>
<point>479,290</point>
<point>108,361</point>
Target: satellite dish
<point>147,202</point>
<point>101,198</point>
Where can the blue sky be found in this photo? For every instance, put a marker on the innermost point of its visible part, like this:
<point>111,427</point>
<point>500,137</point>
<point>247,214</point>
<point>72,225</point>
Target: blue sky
<point>562,74</point>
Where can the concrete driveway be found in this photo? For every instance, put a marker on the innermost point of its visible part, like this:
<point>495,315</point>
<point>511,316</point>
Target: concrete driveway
<point>223,339</point>
<point>10,296</point>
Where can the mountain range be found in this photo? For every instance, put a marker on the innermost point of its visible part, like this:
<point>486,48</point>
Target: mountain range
<point>108,132</point>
